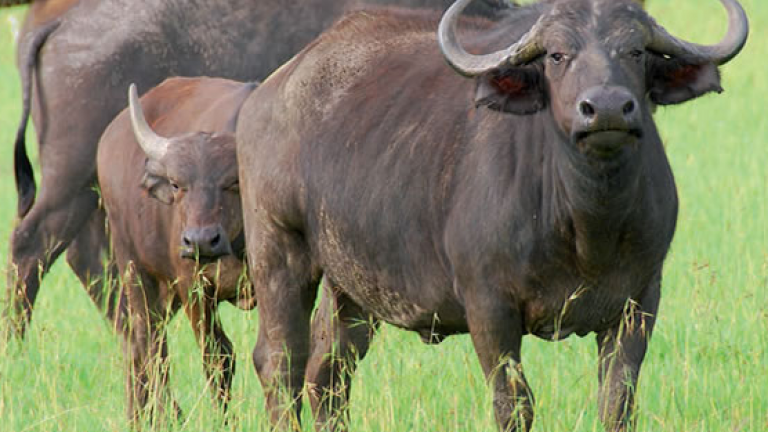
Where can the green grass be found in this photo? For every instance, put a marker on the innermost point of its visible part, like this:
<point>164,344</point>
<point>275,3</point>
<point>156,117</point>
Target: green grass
<point>707,368</point>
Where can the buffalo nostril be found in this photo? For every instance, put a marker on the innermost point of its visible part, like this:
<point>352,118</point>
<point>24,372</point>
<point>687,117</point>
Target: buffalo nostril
<point>628,108</point>
<point>186,241</point>
<point>586,109</point>
<point>215,240</point>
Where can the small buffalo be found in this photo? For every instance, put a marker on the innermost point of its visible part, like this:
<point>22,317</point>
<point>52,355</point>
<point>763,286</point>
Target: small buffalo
<point>168,176</point>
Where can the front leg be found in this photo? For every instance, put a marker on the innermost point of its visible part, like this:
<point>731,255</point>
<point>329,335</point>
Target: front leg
<point>621,351</point>
<point>146,349</point>
<point>496,328</point>
<point>218,353</point>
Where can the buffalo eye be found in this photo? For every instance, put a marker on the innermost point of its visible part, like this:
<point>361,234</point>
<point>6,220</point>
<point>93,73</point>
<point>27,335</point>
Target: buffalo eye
<point>234,187</point>
<point>557,58</point>
<point>636,54</point>
<point>175,187</point>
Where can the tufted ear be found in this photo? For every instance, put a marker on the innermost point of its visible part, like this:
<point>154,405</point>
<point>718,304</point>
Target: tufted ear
<point>672,81</point>
<point>515,90</point>
<point>158,186</point>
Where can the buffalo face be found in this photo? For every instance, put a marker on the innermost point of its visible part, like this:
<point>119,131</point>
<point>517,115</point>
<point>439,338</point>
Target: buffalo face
<point>198,176</point>
<point>195,173</point>
<point>599,65</point>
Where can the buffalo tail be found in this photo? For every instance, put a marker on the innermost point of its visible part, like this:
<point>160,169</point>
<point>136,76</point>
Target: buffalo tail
<point>29,48</point>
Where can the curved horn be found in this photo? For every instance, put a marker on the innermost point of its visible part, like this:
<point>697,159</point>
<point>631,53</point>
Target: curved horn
<point>471,65</point>
<point>720,53</point>
<point>153,144</point>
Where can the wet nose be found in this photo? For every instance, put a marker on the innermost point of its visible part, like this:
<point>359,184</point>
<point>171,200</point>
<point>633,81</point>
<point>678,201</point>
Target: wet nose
<point>606,108</point>
<point>209,241</point>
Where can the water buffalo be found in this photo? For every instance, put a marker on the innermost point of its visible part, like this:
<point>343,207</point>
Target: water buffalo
<point>525,191</point>
<point>173,206</point>
<point>71,50</point>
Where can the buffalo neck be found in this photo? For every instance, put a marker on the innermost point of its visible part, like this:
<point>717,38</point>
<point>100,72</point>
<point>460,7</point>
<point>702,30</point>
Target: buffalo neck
<point>593,200</point>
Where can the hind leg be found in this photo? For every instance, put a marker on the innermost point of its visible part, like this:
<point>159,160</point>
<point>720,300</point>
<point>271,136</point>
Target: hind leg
<point>36,243</point>
<point>68,128</point>
<point>286,289</point>
<point>217,350</point>
<point>341,335</point>
<point>87,256</point>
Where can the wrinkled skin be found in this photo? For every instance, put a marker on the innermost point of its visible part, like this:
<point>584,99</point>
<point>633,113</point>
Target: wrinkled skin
<point>155,205</point>
<point>70,50</point>
<point>533,198</point>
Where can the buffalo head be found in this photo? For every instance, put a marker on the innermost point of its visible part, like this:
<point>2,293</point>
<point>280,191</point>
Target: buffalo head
<point>597,64</point>
<point>197,174</point>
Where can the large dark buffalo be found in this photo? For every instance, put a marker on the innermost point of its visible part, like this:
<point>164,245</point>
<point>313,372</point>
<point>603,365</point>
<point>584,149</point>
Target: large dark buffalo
<point>525,191</point>
<point>76,57</point>
<point>169,184</point>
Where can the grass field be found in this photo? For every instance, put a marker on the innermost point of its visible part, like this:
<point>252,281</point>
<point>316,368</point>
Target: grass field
<point>706,371</point>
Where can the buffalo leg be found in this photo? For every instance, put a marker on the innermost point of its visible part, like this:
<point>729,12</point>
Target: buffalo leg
<point>218,353</point>
<point>87,255</point>
<point>146,349</point>
<point>41,236</point>
<point>341,334</point>
<point>497,330</point>
<point>621,350</point>
<point>286,290</point>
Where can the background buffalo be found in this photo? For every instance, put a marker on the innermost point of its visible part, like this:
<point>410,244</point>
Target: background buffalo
<point>71,50</point>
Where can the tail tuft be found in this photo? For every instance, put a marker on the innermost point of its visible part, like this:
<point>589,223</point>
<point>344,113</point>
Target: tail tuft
<point>25,178</point>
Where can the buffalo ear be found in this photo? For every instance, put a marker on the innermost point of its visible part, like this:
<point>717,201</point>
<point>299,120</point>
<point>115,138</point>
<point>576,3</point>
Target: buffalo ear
<point>514,90</point>
<point>157,186</point>
<point>672,81</point>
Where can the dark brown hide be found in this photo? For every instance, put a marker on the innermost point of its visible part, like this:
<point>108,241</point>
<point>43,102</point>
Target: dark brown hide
<point>71,50</point>
<point>13,2</point>
<point>152,203</point>
<point>531,199</point>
